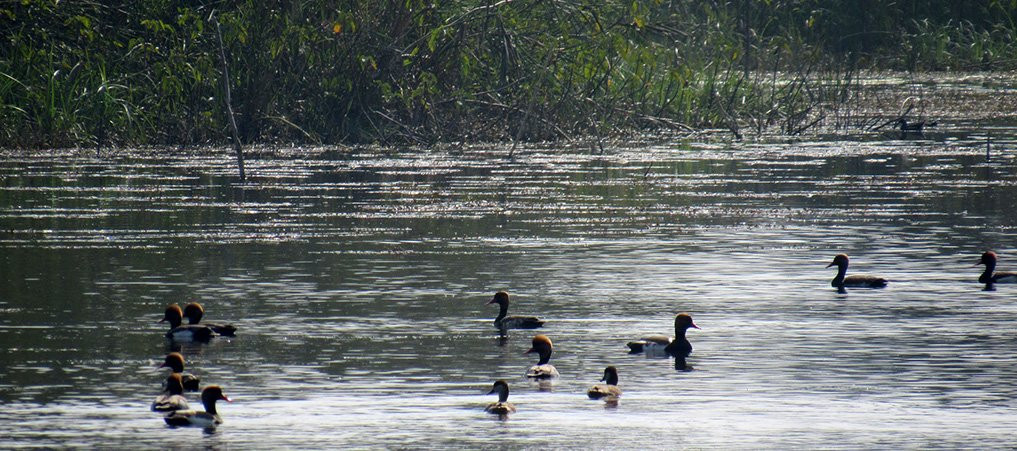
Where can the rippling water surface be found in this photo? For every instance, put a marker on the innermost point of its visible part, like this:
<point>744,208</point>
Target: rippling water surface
<point>359,283</point>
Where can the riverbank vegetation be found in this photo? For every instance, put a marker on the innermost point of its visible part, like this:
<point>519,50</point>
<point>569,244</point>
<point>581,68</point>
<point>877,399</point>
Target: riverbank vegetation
<point>91,73</point>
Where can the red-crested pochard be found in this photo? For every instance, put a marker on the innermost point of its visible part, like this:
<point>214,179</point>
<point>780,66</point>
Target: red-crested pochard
<point>194,312</point>
<point>175,362</point>
<point>173,398</point>
<point>187,332</point>
<point>990,275</point>
<point>542,370</point>
<point>607,389</point>
<point>664,345</point>
<point>841,261</point>
<point>503,322</point>
<point>207,419</point>
<point>502,407</point>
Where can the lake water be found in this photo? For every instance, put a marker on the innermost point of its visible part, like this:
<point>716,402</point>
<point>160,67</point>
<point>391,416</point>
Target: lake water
<point>359,282</point>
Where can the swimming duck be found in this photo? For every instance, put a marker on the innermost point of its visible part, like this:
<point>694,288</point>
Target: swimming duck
<point>503,322</point>
<point>207,419</point>
<point>610,388</point>
<point>173,398</point>
<point>662,344</point>
<point>913,127</point>
<point>502,407</point>
<point>194,312</point>
<point>990,275</point>
<point>542,370</point>
<point>187,332</point>
<point>175,362</point>
<point>841,261</point>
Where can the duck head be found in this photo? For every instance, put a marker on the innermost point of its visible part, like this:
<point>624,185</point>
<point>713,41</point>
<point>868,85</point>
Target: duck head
<point>610,376</point>
<point>175,384</point>
<point>683,321</point>
<point>210,395</point>
<point>502,389</point>
<point>841,260</point>
<point>174,361</point>
<point>988,259</point>
<point>193,312</point>
<point>500,298</point>
<point>542,346</point>
<point>174,315</point>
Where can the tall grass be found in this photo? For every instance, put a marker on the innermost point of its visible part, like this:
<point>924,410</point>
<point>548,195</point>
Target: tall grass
<point>91,73</point>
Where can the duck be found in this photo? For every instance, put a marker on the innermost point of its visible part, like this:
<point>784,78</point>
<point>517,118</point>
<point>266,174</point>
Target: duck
<point>503,322</point>
<point>175,362</point>
<point>173,397</point>
<point>194,312</point>
<point>542,370</point>
<point>174,315</point>
<point>990,275</point>
<point>609,388</point>
<point>841,261</point>
<point>502,407</point>
<point>662,344</point>
<point>207,419</point>
<point>913,127</point>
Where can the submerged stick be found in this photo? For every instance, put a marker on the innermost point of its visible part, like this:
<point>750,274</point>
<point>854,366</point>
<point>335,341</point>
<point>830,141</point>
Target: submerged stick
<point>988,147</point>
<point>237,146</point>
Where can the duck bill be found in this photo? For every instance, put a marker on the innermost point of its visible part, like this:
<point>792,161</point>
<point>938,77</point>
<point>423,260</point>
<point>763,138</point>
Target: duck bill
<point>226,398</point>
<point>531,350</point>
<point>164,365</point>
<point>492,301</point>
<point>493,391</point>
<point>831,264</point>
<point>694,326</point>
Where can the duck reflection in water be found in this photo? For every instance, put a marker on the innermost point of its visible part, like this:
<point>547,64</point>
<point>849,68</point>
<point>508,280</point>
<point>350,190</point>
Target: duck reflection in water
<point>681,365</point>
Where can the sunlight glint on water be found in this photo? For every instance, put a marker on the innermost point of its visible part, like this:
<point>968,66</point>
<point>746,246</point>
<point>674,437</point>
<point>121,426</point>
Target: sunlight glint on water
<point>359,286</point>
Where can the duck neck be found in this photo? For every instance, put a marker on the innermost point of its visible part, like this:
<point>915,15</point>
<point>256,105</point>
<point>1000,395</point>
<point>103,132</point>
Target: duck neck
<point>839,279</point>
<point>175,388</point>
<point>194,319</point>
<point>502,312</point>
<point>503,394</point>
<point>545,356</point>
<point>986,276</point>
<point>679,333</point>
<point>174,322</point>
<point>210,405</point>
<point>611,379</point>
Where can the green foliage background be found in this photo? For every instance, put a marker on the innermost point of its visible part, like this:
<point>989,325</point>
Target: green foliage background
<point>412,71</point>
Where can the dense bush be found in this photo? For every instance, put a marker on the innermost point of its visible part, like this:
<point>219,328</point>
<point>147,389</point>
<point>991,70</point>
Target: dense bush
<point>97,72</point>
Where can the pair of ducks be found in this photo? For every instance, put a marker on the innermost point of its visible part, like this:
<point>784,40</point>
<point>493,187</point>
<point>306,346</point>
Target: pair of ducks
<point>193,331</point>
<point>989,276</point>
<point>609,391</point>
<point>174,404</point>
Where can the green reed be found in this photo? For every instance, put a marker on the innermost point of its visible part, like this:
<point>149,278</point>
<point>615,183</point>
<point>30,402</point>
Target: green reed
<point>107,73</point>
